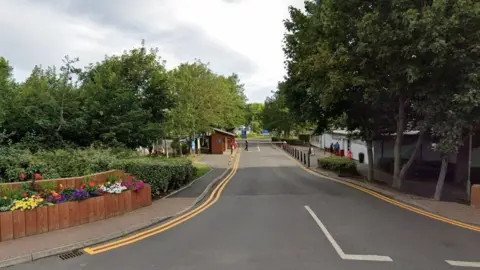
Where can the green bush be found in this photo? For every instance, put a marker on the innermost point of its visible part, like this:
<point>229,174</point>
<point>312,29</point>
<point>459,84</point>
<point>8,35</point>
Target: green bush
<point>304,137</point>
<point>293,141</point>
<point>57,163</point>
<point>275,139</point>
<point>338,165</point>
<point>163,175</point>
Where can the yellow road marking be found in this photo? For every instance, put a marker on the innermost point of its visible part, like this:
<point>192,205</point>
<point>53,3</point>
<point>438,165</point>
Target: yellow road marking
<point>392,201</point>
<point>153,231</point>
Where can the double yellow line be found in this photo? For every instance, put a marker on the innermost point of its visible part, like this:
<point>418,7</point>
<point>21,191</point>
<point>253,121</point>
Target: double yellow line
<point>176,221</point>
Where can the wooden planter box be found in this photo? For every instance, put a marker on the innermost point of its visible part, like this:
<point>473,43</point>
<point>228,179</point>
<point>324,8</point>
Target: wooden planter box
<point>17,224</point>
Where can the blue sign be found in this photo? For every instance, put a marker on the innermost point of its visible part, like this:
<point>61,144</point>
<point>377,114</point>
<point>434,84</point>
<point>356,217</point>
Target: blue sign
<point>265,132</point>
<point>244,133</point>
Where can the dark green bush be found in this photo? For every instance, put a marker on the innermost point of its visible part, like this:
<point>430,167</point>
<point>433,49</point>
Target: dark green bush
<point>163,175</point>
<point>293,141</point>
<point>304,137</point>
<point>338,165</point>
<point>275,139</point>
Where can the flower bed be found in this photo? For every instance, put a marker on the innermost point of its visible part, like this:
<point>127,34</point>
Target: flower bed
<point>39,207</point>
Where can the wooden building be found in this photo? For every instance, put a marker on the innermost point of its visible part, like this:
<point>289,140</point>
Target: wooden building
<point>220,141</point>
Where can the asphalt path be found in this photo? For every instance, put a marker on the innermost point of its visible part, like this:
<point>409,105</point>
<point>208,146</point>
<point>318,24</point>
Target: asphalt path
<point>275,215</point>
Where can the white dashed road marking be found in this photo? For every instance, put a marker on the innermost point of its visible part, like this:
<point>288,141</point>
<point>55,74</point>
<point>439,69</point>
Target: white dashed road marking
<point>463,264</point>
<point>339,250</point>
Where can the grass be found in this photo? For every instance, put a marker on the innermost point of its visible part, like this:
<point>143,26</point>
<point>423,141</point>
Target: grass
<point>202,169</point>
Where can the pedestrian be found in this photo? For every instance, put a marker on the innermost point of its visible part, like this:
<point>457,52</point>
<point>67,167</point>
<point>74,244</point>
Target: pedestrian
<point>349,154</point>
<point>246,145</point>
<point>193,147</point>
<point>337,148</point>
<point>331,148</point>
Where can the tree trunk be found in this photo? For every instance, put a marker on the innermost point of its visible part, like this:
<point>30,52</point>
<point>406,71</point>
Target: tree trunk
<point>397,157</point>
<point>371,171</point>
<point>461,165</point>
<point>441,178</point>
<point>166,147</point>
<point>407,165</point>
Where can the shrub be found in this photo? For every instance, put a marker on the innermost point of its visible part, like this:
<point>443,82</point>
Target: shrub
<point>338,165</point>
<point>275,139</point>
<point>57,163</point>
<point>293,141</point>
<point>304,137</point>
<point>162,175</point>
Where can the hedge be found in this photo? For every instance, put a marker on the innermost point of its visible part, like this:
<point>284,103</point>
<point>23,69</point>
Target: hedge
<point>59,163</point>
<point>163,175</point>
<point>338,164</point>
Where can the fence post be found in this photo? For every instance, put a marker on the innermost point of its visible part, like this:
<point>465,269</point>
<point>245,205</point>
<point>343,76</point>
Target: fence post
<point>308,161</point>
<point>301,157</point>
<point>304,158</point>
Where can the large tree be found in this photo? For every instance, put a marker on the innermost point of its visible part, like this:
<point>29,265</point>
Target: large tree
<point>203,99</point>
<point>125,98</point>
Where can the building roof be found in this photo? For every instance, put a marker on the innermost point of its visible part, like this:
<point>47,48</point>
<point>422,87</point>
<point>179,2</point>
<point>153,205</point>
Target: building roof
<point>345,132</point>
<point>223,132</point>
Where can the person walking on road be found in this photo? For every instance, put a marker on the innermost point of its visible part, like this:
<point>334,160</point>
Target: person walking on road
<point>337,149</point>
<point>246,145</point>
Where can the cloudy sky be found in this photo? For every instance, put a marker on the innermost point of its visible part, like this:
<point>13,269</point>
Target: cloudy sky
<point>241,36</point>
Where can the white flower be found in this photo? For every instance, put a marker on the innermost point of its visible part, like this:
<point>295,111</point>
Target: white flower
<point>116,188</point>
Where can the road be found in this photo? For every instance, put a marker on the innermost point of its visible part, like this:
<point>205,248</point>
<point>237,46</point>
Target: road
<point>275,215</point>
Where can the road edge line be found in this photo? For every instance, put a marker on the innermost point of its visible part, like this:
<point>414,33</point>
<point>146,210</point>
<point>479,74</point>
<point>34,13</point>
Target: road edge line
<point>386,198</point>
<point>109,237</point>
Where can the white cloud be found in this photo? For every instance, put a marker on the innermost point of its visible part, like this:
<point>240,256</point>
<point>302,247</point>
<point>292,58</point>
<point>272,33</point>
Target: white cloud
<point>241,36</point>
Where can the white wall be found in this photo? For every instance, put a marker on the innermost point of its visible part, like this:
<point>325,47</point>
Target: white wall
<point>356,146</point>
<point>426,154</point>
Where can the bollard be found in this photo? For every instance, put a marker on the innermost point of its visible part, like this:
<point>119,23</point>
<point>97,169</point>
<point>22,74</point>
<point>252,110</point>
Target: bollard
<point>301,156</point>
<point>308,161</point>
<point>304,158</point>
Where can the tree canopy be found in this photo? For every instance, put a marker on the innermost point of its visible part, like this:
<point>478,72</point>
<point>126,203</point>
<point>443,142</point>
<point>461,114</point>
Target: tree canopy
<point>127,100</point>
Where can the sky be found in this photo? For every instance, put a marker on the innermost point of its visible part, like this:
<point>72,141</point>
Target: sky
<point>233,36</point>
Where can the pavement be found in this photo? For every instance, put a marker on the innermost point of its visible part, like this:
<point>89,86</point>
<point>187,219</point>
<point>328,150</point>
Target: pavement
<point>272,214</point>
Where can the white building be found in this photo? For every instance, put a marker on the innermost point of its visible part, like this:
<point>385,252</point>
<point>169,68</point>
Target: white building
<point>383,149</point>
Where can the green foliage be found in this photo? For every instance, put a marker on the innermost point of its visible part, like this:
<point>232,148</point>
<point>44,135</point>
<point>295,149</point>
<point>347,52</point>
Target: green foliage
<point>254,116</point>
<point>203,100</point>
<point>124,101</point>
<point>55,163</point>
<point>182,147</point>
<point>162,175</point>
<point>338,165</point>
